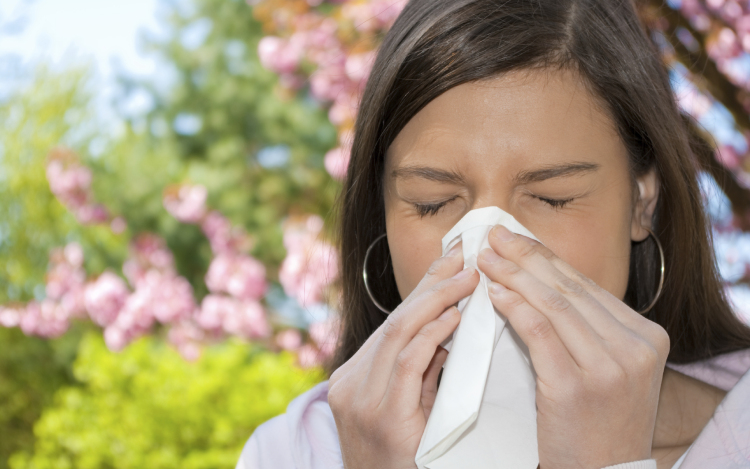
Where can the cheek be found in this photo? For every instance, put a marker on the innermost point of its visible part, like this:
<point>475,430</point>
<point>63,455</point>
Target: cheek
<point>413,250</point>
<point>600,250</point>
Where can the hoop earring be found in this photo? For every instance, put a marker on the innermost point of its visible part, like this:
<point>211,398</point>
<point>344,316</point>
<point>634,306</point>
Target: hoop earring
<point>364,276</point>
<point>661,271</point>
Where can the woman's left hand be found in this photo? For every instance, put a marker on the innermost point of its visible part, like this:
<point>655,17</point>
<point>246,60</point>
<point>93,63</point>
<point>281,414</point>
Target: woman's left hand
<point>599,364</point>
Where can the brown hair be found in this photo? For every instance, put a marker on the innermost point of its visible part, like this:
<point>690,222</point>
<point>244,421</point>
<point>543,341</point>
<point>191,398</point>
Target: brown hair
<point>435,45</point>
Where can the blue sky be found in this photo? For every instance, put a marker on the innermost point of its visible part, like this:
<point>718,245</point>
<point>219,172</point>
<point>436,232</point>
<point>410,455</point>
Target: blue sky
<point>105,30</point>
<point>65,32</point>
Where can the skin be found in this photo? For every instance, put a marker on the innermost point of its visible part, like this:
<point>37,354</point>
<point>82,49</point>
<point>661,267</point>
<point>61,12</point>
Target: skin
<point>538,145</point>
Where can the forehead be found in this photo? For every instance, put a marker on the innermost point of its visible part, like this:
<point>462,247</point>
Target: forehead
<point>518,118</point>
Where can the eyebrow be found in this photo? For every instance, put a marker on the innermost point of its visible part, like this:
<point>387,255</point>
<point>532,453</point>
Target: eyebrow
<point>425,172</point>
<point>569,169</point>
<point>525,177</point>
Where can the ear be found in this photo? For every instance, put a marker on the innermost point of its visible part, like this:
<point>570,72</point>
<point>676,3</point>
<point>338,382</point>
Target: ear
<point>645,205</point>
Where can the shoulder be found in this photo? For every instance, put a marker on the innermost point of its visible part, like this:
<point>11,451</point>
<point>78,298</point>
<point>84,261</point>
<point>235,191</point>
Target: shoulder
<point>304,437</point>
<point>725,440</point>
<point>723,371</point>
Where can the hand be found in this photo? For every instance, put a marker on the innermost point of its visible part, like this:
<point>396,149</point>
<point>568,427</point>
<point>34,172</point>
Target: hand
<point>599,364</point>
<point>381,398</point>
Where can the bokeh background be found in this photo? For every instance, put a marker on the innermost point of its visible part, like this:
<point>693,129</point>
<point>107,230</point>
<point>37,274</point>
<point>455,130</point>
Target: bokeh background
<point>168,177</point>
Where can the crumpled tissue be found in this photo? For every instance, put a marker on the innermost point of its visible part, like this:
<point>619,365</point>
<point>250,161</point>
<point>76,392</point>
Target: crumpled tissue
<point>484,416</point>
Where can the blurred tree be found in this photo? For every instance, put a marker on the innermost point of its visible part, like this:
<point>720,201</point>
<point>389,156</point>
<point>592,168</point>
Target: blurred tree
<point>220,120</point>
<point>256,148</point>
<point>53,110</point>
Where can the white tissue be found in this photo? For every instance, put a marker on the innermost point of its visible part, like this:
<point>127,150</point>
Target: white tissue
<point>485,409</point>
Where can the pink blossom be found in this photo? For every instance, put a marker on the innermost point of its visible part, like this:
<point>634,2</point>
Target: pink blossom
<point>337,161</point>
<point>358,66</point>
<point>344,108</point>
<point>724,45</point>
<point>310,265</point>
<point>70,182</point>
<point>45,319</point>
<point>386,11</point>
<point>135,319</point>
<point>118,225</point>
<point>73,253</point>
<point>279,55</point>
<point>147,252</point>
<point>73,302</point>
<point>249,321</point>
<point>222,236</point>
<point>727,156</point>
<point>133,271</point>
<point>239,275</point>
<point>308,356</point>
<point>187,204</point>
<point>694,102</point>
<point>327,83</point>
<point>163,296</point>
<point>373,15</point>
<point>91,214</point>
<point>9,317</point>
<point>213,310</point>
<point>325,335</point>
<point>187,337</point>
<point>117,338</point>
<point>237,317</point>
<point>66,279</point>
<point>62,278</point>
<point>317,35</point>
<point>70,185</point>
<point>105,297</point>
<point>732,10</point>
<point>288,339</point>
<point>172,297</point>
<point>137,313</point>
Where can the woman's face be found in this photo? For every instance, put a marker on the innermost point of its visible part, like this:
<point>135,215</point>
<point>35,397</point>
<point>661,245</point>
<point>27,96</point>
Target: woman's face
<point>537,145</point>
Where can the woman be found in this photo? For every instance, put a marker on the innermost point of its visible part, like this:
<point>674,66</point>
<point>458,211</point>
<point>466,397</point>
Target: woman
<point>560,113</point>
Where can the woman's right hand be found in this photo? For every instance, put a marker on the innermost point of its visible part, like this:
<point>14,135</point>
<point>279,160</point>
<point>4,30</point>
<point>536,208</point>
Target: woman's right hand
<point>382,396</point>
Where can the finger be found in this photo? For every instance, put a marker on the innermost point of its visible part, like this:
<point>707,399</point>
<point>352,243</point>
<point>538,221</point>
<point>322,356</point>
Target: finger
<point>535,259</point>
<point>403,325</point>
<point>575,332</point>
<point>430,380</point>
<point>442,268</point>
<point>551,358</point>
<point>406,380</point>
<point>617,323</point>
<point>619,310</point>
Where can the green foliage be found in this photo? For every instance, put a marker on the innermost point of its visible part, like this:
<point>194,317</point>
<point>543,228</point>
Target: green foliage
<point>148,408</point>
<point>31,369</point>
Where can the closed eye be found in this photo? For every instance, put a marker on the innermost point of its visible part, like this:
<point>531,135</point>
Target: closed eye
<point>431,209</point>
<point>555,203</point>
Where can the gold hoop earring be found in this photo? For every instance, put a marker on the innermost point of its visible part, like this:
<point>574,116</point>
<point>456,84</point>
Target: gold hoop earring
<point>661,271</point>
<point>364,276</point>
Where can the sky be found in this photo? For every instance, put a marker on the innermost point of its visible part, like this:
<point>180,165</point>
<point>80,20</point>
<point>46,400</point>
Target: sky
<point>63,32</point>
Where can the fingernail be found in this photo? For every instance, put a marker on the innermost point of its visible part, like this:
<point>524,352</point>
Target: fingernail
<point>496,288</point>
<point>502,233</point>
<point>489,256</point>
<point>448,313</point>
<point>467,272</point>
<point>454,250</point>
